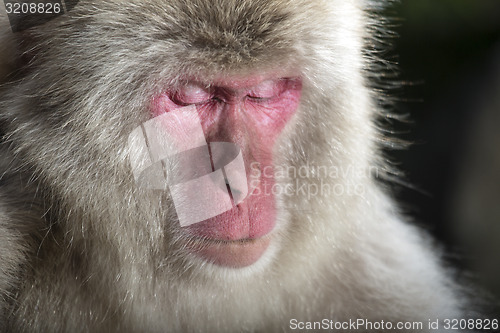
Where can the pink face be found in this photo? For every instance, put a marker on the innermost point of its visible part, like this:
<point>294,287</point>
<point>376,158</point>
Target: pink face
<point>250,112</point>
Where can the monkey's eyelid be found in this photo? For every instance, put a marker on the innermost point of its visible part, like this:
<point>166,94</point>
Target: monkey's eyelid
<point>192,94</point>
<point>266,89</point>
<point>259,99</point>
<point>194,88</point>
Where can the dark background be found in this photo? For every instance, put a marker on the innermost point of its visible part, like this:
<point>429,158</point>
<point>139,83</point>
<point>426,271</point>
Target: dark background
<point>448,53</point>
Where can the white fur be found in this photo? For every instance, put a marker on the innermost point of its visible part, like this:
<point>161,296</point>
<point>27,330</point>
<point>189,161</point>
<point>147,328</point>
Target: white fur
<point>110,259</point>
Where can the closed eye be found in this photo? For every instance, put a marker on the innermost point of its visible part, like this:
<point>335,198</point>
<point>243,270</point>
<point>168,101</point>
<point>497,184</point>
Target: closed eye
<point>258,99</point>
<point>192,94</point>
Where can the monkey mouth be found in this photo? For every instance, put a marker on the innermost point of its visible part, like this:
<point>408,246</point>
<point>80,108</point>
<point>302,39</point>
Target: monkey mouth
<point>234,254</point>
<point>240,236</point>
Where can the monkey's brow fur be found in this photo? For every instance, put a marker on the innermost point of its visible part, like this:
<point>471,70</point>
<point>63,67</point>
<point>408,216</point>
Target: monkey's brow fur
<point>82,249</point>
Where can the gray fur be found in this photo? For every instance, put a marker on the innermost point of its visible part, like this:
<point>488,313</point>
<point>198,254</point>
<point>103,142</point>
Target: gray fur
<point>83,250</point>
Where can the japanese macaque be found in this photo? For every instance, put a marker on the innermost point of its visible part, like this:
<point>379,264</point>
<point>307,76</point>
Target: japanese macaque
<point>309,235</point>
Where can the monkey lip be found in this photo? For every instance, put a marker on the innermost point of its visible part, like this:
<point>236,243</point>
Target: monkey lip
<point>240,236</point>
<point>252,219</point>
<point>234,254</point>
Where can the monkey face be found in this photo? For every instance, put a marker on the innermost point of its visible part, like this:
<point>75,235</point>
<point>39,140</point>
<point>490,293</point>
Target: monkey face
<point>202,166</point>
<point>256,77</point>
<point>250,112</point>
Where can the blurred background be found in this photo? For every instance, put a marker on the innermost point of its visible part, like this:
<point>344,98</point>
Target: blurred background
<point>448,52</point>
